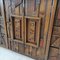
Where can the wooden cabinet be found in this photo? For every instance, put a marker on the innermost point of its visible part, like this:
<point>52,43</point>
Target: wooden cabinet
<point>30,25</point>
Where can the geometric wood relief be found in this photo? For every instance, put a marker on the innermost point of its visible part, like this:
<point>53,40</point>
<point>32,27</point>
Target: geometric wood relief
<point>17,29</point>
<point>32,31</point>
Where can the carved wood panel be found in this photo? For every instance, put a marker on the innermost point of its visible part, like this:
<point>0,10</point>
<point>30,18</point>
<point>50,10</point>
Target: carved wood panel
<point>32,31</point>
<point>31,27</point>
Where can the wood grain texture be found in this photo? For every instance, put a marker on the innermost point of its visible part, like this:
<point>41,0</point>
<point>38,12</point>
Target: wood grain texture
<point>32,31</point>
<point>38,46</point>
<point>50,28</point>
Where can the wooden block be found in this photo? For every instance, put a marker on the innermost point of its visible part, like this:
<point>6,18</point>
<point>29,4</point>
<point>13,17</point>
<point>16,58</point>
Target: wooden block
<point>53,52</point>
<point>42,7</point>
<point>27,50</point>
<point>54,38</point>
<point>58,57</point>
<point>15,46</point>
<point>17,28</point>
<point>30,51</point>
<point>21,10</point>
<point>17,11</point>
<point>57,22</point>
<point>56,43</point>
<point>9,43</point>
<point>40,54</point>
<point>42,28</point>
<point>41,43</point>
<point>34,52</point>
<point>21,48</point>
<point>59,51</point>
<point>59,13</point>
<point>52,58</point>
<point>56,31</point>
<point>12,45</point>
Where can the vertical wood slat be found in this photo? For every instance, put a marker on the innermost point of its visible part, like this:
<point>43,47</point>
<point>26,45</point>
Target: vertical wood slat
<point>21,48</point>
<point>42,18</point>
<point>4,18</point>
<point>42,8</point>
<point>47,21</point>
<point>17,28</point>
<point>11,29</point>
<point>26,50</point>
<point>17,12</point>
<point>7,16</point>
<point>15,46</point>
<point>34,51</point>
<point>50,28</point>
<point>17,24</point>
<point>38,25</point>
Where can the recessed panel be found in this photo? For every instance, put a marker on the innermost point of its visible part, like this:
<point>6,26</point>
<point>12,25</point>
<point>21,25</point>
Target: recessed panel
<point>32,31</point>
<point>17,28</point>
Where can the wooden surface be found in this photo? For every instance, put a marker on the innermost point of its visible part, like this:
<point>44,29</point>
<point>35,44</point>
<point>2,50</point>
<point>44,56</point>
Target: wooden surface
<point>55,39</point>
<point>34,27</point>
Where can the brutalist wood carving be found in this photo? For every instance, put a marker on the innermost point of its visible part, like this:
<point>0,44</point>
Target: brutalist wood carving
<point>30,26</point>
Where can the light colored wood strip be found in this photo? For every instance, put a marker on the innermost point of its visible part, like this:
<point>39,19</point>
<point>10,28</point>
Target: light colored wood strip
<point>17,11</point>
<point>47,19</point>
<point>4,17</point>
<point>42,8</point>
<point>50,28</point>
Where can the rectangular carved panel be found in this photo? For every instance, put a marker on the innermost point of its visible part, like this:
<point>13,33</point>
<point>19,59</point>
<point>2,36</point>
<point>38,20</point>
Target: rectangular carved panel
<point>32,31</point>
<point>17,25</point>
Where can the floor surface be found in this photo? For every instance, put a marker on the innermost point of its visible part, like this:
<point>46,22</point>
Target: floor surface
<point>6,54</point>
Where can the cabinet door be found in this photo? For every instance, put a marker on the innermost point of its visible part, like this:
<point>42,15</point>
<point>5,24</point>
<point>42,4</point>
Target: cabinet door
<point>31,28</point>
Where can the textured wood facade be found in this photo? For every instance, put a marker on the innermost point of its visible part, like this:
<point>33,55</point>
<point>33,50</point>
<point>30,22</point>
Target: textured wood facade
<point>29,26</point>
<point>54,53</point>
